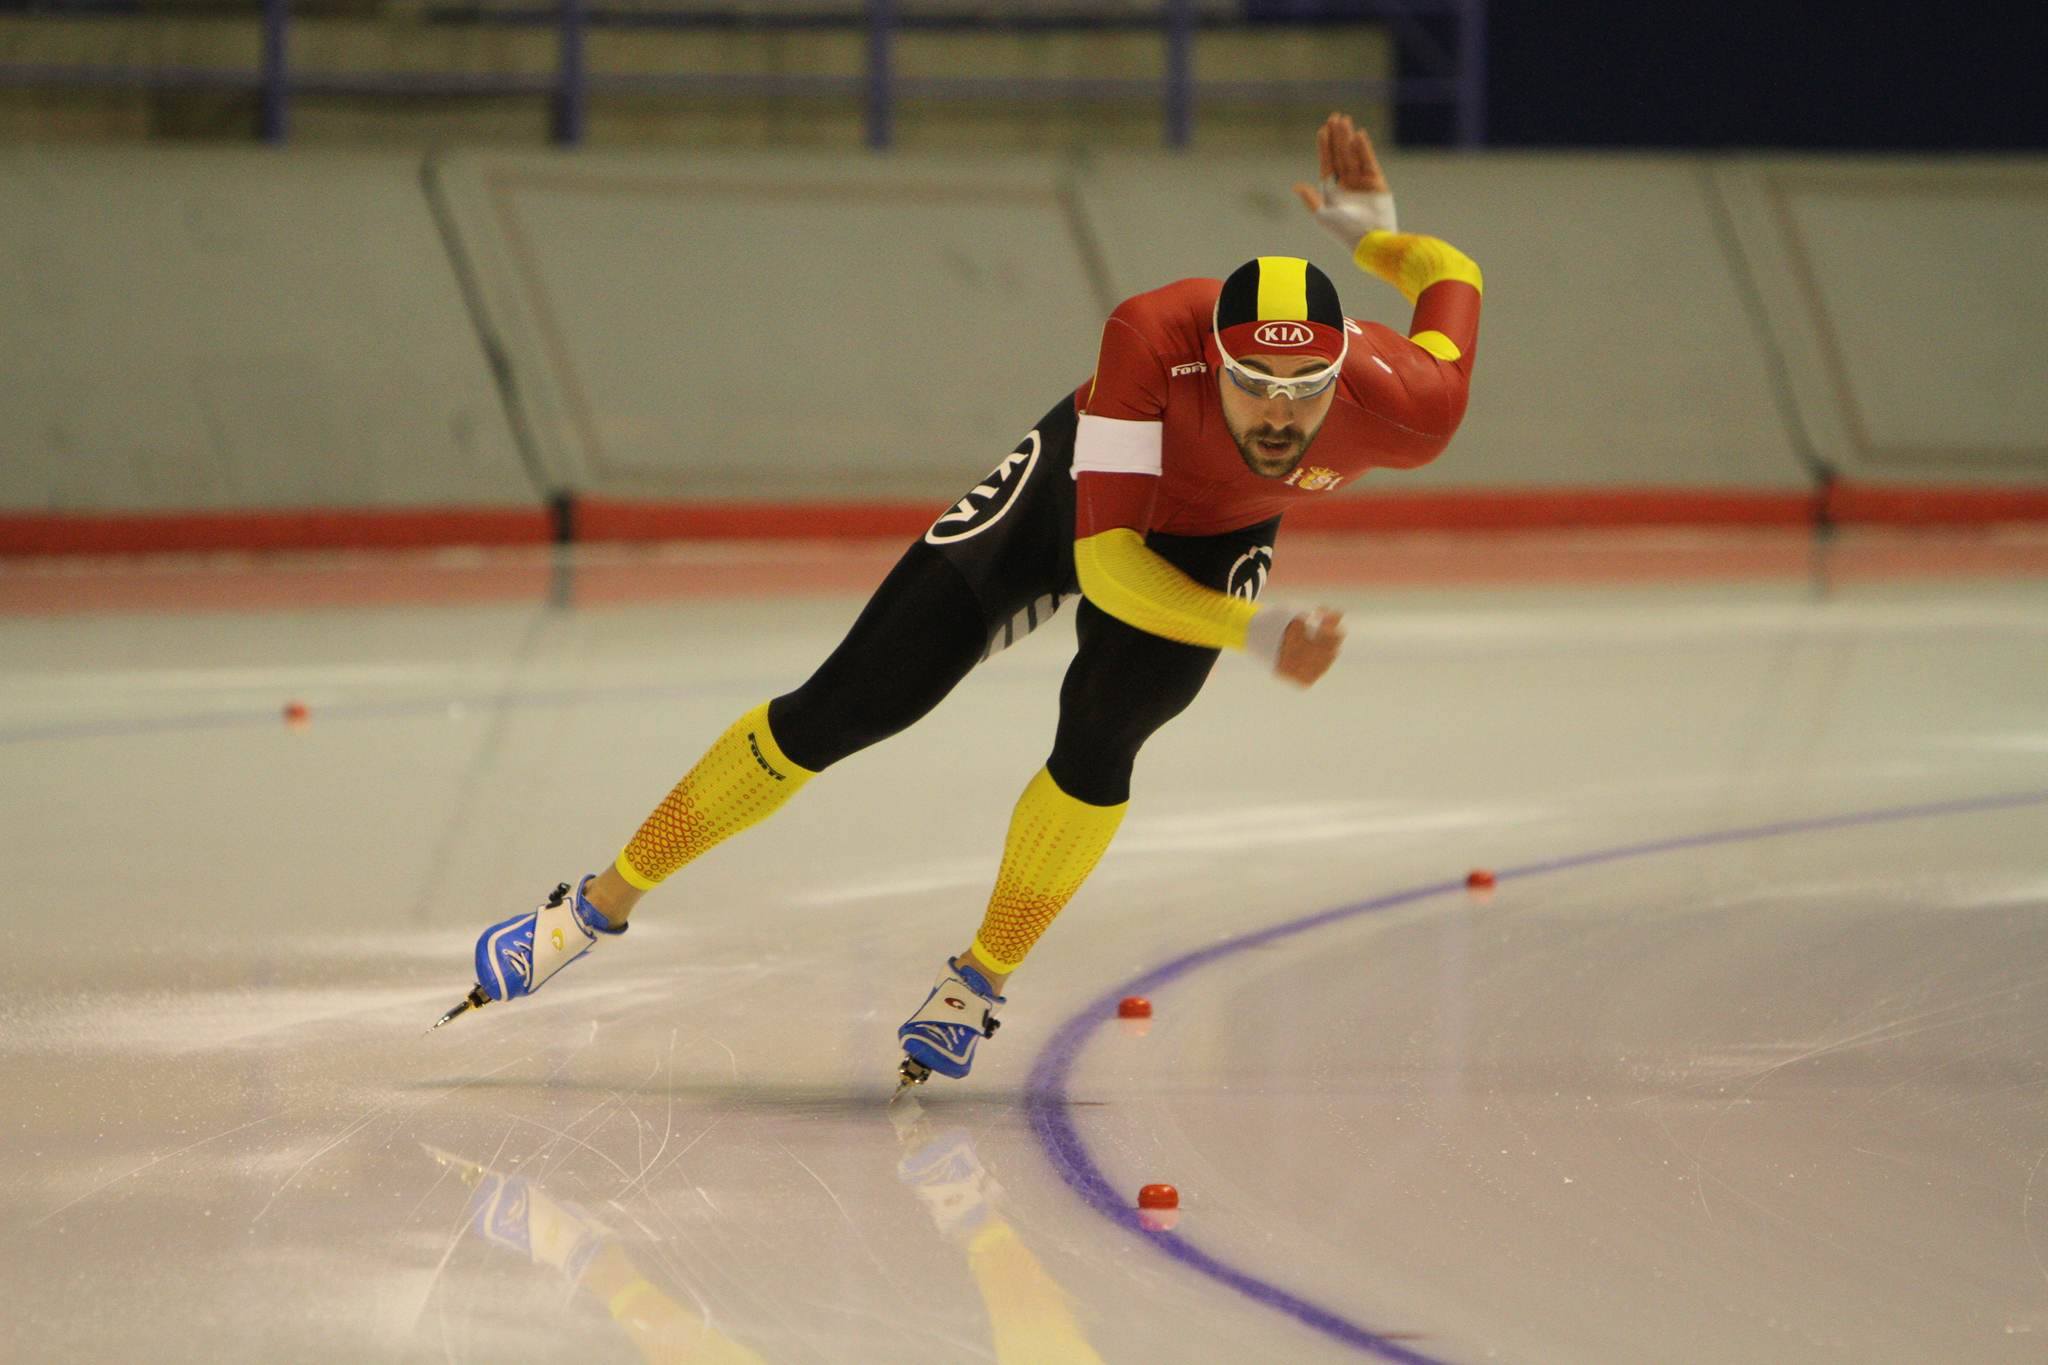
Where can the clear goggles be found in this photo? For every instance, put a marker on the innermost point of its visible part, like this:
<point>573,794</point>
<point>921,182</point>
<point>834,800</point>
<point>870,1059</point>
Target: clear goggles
<point>1295,387</point>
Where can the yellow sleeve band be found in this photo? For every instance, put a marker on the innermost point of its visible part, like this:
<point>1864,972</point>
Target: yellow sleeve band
<point>1437,344</point>
<point>1127,580</point>
<point>624,867</point>
<point>1412,263</point>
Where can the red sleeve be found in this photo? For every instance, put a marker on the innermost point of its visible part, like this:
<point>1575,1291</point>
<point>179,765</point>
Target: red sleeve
<point>1130,378</point>
<point>1450,307</point>
<point>1103,502</point>
<point>1129,386</point>
<point>1414,399</point>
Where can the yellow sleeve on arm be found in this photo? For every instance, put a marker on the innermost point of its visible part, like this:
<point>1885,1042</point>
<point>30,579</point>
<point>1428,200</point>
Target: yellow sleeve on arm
<point>1412,263</point>
<point>1127,580</point>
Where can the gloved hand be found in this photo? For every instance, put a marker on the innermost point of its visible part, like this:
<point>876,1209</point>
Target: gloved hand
<point>1352,198</point>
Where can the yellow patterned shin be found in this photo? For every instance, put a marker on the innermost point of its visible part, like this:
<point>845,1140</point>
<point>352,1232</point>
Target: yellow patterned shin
<point>1055,842</point>
<point>741,780</point>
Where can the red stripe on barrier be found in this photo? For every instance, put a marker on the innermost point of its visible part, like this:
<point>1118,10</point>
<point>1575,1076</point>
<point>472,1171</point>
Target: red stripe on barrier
<point>1540,509</point>
<point>608,519</point>
<point>605,519</point>
<point>1866,505</point>
<point>618,520</point>
<point>389,528</point>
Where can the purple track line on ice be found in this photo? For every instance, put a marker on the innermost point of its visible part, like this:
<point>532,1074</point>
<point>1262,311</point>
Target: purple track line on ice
<point>1049,1107</point>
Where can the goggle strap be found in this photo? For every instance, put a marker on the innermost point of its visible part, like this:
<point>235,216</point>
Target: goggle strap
<point>1231,364</point>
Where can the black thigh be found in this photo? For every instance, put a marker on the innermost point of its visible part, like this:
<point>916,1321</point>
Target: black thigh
<point>916,638</point>
<point>1125,683</point>
<point>993,567</point>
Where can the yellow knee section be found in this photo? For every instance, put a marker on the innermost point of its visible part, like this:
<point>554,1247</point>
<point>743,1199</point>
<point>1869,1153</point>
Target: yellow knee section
<point>1054,843</point>
<point>743,778</point>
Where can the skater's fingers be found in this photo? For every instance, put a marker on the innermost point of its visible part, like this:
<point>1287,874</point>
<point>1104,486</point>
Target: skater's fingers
<point>1323,621</point>
<point>1307,650</point>
<point>1311,197</point>
<point>1370,177</point>
<point>1354,158</point>
<point>1358,167</point>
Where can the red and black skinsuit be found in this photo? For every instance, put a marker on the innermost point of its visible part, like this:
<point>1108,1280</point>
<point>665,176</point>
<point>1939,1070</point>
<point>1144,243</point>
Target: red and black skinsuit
<point>1133,495</point>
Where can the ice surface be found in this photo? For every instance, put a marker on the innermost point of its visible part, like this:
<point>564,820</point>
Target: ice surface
<point>1780,1094</point>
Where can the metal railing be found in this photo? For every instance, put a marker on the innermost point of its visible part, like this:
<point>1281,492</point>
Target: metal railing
<point>1443,40</point>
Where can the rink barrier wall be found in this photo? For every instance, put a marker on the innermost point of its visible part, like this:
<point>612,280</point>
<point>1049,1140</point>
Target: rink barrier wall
<point>1903,304</point>
<point>598,521</point>
<point>231,329</point>
<point>211,350</point>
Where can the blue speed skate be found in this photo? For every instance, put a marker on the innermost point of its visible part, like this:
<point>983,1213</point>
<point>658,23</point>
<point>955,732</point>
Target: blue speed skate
<point>518,956</point>
<point>942,1035</point>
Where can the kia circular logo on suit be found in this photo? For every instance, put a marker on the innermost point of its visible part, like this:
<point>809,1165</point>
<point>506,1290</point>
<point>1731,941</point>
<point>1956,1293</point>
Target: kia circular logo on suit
<point>1283,334</point>
<point>987,502</point>
<point>1248,575</point>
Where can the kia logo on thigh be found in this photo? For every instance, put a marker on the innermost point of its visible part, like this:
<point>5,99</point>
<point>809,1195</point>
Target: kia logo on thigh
<point>988,501</point>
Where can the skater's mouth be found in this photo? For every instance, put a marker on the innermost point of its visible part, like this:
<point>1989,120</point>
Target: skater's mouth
<point>1272,452</point>
<point>1275,450</point>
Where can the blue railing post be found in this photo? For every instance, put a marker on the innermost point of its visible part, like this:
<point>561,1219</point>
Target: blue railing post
<point>1472,74</point>
<point>571,85</point>
<point>881,79</point>
<point>272,120</point>
<point>1180,78</point>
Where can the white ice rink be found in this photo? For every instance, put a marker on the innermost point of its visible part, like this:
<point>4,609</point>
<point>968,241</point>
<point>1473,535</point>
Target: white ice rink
<point>1746,1058</point>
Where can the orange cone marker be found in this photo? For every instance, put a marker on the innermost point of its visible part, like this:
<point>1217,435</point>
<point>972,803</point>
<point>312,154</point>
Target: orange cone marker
<point>1158,1208</point>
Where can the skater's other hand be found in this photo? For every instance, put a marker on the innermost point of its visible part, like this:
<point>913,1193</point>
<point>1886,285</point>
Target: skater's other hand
<point>1345,157</point>
<point>1310,645</point>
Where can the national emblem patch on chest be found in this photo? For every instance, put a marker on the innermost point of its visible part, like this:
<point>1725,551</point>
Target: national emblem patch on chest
<point>1314,479</point>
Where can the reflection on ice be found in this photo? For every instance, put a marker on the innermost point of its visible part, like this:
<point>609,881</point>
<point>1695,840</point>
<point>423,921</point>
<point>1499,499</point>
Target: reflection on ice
<point>590,1264</point>
<point>1028,1315</point>
<point>583,1260</point>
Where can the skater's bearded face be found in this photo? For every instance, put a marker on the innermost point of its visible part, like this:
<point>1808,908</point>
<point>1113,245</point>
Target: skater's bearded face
<point>1272,434</point>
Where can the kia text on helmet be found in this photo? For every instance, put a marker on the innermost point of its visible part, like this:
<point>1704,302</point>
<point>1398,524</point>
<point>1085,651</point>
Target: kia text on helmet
<point>1284,334</point>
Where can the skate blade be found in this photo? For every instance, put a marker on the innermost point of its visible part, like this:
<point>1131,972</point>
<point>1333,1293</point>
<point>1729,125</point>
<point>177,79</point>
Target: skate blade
<point>909,1074</point>
<point>476,999</point>
<point>467,1170</point>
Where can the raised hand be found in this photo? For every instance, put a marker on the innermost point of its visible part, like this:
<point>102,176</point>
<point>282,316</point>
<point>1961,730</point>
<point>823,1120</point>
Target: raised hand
<point>1345,162</point>
<point>1353,199</point>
